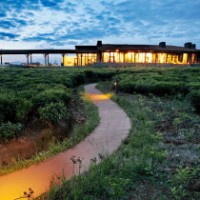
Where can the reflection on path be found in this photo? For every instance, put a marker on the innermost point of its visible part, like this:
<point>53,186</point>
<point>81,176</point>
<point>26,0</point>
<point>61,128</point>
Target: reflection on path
<point>97,97</point>
<point>113,128</point>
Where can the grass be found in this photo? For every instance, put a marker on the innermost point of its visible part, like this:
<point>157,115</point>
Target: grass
<point>144,167</point>
<point>159,159</point>
<point>79,133</point>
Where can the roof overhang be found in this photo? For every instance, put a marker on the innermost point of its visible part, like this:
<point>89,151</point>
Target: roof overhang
<point>37,51</point>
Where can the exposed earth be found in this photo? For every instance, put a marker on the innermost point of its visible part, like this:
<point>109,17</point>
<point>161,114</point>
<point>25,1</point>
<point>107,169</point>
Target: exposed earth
<point>36,137</point>
<point>105,139</point>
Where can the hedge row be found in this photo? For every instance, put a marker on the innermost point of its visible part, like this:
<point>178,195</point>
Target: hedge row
<point>169,82</point>
<point>41,95</point>
<point>27,94</point>
<point>195,99</point>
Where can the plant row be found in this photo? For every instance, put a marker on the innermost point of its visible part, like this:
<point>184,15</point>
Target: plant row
<point>166,82</point>
<point>44,95</point>
<point>41,96</point>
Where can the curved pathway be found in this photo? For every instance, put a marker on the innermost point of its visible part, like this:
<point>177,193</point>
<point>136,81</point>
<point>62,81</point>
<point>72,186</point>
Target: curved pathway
<point>114,126</point>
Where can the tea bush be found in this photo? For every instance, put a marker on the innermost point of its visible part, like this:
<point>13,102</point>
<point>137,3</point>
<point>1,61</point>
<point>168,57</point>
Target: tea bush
<point>52,96</point>
<point>9,130</point>
<point>161,82</point>
<point>8,103</point>
<point>195,99</point>
<point>53,112</point>
<point>23,108</point>
<point>24,91</point>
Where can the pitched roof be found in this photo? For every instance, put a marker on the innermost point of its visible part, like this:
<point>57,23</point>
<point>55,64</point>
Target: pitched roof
<point>36,51</point>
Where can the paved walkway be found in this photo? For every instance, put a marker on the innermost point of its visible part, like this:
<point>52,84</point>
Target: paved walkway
<point>105,139</point>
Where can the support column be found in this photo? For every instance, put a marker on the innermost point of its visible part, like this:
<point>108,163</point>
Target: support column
<point>189,58</point>
<point>30,58</point>
<point>27,57</point>
<point>134,57</point>
<point>81,59</point>
<point>1,59</point>
<point>99,56</point>
<point>77,59</point>
<point>156,59</point>
<point>195,58</point>
<point>63,59</point>
<point>46,59</point>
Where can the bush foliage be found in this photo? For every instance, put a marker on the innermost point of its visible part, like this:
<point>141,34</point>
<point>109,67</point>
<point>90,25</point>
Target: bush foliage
<point>53,112</point>
<point>24,92</point>
<point>9,130</point>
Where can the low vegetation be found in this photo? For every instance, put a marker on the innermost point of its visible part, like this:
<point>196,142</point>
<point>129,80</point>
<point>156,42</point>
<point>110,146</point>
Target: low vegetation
<point>47,116</point>
<point>159,160</point>
<point>25,94</point>
<point>161,82</point>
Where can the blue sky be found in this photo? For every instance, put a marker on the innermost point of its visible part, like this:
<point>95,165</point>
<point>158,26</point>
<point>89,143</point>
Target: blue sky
<point>66,23</point>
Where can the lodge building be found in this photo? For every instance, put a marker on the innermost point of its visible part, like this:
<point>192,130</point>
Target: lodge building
<point>114,53</point>
<point>124,53</point>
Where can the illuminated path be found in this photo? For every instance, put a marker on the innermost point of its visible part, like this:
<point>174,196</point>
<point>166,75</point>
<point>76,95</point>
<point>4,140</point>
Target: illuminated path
<point>114,126</point>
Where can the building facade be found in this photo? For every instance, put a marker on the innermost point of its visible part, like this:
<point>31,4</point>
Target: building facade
<point>119,53</point>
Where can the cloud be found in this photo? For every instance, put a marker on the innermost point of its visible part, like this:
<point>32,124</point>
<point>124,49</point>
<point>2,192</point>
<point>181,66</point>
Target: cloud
<point>7,36</point>
<point>64,23</point>
<point>50,3</point>
<point>2,14</point>
<point>5,24</point>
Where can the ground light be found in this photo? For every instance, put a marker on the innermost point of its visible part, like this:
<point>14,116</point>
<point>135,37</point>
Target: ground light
<point>116,85</point>
<point>40,176</point>
<point>98,97</point>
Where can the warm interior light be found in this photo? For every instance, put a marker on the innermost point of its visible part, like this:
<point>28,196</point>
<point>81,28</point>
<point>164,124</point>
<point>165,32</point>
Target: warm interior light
<point>110,57</point>
<point>129,57</point>
<point>140,57</point>
<point>69,61</point>
<point>81,59</point>
<point>161,57</point>
<point>185,58</point>
<point>149,57</point>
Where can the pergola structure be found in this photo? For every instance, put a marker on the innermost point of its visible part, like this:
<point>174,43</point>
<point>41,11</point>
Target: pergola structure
<point>29,53</point>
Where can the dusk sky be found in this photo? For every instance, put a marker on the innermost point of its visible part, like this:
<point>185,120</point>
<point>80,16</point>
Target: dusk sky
<point>65,23</point>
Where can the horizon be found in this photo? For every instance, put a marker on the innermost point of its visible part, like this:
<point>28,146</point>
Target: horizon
<point>44,24</point>
<point>116,43</point>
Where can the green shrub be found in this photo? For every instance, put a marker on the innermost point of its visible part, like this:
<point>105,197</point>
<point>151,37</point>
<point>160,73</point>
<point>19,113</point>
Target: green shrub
<point>78,78</point>
<point>9,130</point>
<point>52,96</point>
<point>53,112</point>
<point>8,107</point>
<point>195,99</point>
<point>94,75</point>
<point>144,84</point>
<point>23,108</point>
